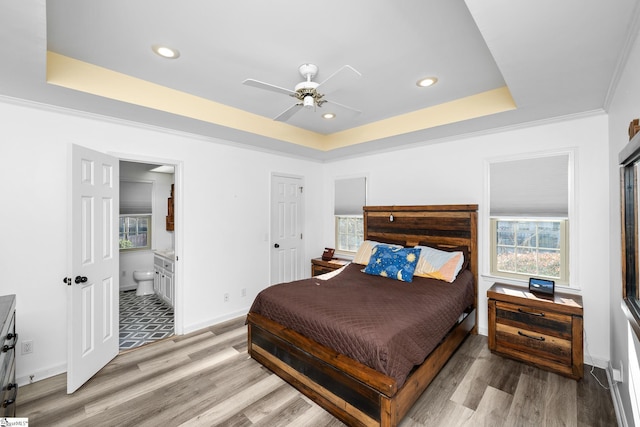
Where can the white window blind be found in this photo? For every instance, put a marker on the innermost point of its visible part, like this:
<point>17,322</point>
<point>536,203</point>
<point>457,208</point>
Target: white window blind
<point>534,187</point>
<point>350,196</point>
<point>135,198</point>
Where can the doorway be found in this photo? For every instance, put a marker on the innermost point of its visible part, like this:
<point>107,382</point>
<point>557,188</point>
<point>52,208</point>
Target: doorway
<point>147,253</point>
<point>94,259</point>
<point>287,223</point>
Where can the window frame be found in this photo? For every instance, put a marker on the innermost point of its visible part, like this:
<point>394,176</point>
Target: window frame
<point>572,237</point>
<point>563,280</point>
<point>629,159</point>
<point>350,211</point>
<point>149,218</point>
<point>337,234</point>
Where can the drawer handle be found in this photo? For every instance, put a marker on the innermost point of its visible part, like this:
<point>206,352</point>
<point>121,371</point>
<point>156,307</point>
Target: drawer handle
<point>10,336</point>
<point>522,334</point>
<point>531,313</point>
<point>11,401</point>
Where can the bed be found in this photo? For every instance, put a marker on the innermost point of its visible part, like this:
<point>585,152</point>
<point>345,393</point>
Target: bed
<point>359,381</point>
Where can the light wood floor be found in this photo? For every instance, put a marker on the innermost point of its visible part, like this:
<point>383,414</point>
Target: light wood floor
<point>206,378</point>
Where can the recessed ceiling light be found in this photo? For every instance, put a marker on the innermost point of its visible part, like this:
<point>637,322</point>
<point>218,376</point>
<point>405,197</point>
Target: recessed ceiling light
<point>165,52</point>
<point>426,81</point>
<point>328,116</point>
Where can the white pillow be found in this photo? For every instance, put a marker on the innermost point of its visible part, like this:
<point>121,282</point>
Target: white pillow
<point>437,264</point>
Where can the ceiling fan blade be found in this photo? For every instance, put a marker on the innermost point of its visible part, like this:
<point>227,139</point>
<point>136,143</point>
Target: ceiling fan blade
<point>346,107</point>
<point>341,78</point>
<point>267,86</point>
<point>288,113</point>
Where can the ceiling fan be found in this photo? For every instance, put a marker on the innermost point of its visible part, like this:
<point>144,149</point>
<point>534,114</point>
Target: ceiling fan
<point>308,92</point>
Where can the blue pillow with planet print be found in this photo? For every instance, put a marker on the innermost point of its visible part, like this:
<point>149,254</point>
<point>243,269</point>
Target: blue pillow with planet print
<point>393,262</point>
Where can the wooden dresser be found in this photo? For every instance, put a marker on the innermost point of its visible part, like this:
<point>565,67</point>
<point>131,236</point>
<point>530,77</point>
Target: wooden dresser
<point>8,343</point>
<point>544,332</point>
<point>320,266</point>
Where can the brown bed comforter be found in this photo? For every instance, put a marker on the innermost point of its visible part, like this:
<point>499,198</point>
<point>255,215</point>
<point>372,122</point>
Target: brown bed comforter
<point>388,325</point>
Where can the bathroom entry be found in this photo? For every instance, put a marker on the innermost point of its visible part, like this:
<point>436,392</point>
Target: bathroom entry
<point>147,256</point>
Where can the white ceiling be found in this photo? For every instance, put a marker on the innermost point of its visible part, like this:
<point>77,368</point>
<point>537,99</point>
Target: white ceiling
<point>557,58</point>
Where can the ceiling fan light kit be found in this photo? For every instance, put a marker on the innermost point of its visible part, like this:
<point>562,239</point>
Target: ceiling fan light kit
<point>309,102</point>
<point>306,92</point>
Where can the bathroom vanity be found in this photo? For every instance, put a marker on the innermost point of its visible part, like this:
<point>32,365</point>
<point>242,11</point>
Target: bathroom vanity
<point>163,283</point>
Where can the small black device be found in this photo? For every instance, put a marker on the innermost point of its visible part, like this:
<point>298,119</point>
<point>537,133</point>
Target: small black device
<point>541,287</point>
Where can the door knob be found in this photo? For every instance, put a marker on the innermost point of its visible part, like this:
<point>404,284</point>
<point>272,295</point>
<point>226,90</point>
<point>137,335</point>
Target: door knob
<point>80,279</point>
<point>276,246</point>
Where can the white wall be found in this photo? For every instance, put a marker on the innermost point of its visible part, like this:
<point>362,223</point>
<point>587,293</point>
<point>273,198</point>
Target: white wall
<point>453,172</point>
<point>625,106</point>
<point>225,194</point>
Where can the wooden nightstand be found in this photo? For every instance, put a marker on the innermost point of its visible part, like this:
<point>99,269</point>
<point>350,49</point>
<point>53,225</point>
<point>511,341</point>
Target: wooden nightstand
<point>319,266</point>
<point>544,332</point>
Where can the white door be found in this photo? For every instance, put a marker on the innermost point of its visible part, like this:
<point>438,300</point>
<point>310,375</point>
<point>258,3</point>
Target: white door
<point>286,229</point>
<point>93,287</point>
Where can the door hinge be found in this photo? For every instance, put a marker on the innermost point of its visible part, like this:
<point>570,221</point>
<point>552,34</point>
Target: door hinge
<point>300,236</point>
<point>301,189</point>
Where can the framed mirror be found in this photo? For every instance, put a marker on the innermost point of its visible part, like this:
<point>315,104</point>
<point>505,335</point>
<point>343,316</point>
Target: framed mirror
<point>630,216</point>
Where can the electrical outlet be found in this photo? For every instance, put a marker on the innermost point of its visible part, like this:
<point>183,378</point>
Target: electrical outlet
<point>617,373</point>
<point>27,347</point>
<point>226,297</point>
<point>243,292</point>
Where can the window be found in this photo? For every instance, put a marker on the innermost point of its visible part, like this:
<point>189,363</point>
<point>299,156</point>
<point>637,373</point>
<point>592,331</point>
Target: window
<point>630,194</point>
<point>529,218</point>
<point>350,197</point>
<point>349,232</point>
<point>135,215</point>
<point>530,247</point>
<point>135,232</point>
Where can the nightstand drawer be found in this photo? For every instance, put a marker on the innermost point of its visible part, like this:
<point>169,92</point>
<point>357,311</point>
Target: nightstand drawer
<point>532,343</point>
<point>317,270</point>
<point>541,321</point>
<point>320,266</point>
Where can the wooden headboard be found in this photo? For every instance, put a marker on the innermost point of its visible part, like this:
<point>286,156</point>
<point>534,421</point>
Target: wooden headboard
<point>432,225</point>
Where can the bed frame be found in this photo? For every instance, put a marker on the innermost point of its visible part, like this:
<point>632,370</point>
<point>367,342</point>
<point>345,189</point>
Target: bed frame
<point>351,391</point>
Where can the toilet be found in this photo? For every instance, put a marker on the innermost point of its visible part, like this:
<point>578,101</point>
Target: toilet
<point>144,279</point>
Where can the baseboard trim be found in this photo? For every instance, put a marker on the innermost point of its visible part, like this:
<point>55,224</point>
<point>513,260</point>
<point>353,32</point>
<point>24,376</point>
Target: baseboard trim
<point>41,375</point>
<point>598,363</point>
<point>216,320</point>
<point>615,397</point>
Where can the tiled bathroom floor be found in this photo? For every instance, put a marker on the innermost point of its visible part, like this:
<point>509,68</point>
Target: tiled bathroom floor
<point>143,319</point>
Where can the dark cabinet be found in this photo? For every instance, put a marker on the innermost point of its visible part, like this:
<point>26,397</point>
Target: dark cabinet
<point>8,344</point>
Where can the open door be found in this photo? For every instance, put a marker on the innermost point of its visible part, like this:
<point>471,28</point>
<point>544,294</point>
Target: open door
<point>92,294</point>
